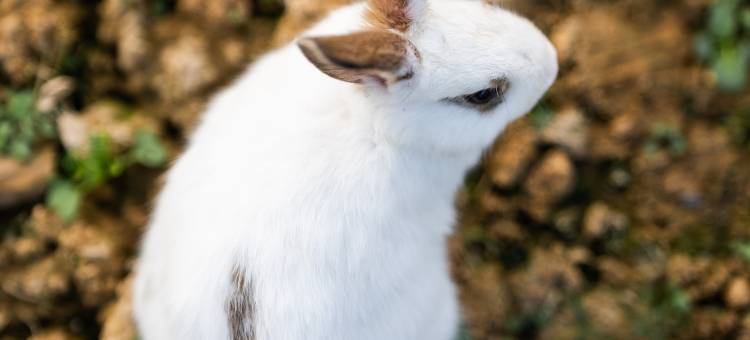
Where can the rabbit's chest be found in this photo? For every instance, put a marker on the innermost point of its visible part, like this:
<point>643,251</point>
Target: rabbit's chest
<point>356,289</point>
<point>370,265</point>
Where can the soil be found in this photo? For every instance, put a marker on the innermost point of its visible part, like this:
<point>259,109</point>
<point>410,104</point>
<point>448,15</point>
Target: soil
<point>615,211</point>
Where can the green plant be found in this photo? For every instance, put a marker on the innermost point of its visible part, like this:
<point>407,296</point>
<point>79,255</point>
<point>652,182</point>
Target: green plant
<point>22,127</point>
<point>742,249</point>
<point>738,125</point>
<point>80,175</point>
<point>725,43</point>
<point>666,136</point>
<point>541,115</point>
<point>463,333</point>
<point>668,307</point>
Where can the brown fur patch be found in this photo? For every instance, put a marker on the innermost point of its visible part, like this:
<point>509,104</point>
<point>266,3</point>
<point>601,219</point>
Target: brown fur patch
<point>240,307</point>
<point>387,14</point>
<point>353,56</point>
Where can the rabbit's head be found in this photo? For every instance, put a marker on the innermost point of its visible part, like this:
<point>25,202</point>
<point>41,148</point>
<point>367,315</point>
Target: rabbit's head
<point>445,76</point>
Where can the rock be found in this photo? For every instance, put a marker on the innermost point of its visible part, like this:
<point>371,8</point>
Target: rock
<point>685,270</point>
<point>744,333</point>
<point>107,117</point>
<point>611,76</point>
<point>600,220</point>
<point>680,183</point>
<point>620,178</point>
<point>187,115</point>
<point>34,35</point>
<point>497,204</point>
<point>22,182</point>
<point>217,13</point>
<point>489,301</point>
<point>709,324</point>
<point>626,127</point>
<point>123,23</point>
<point>607,147</point>
<point>100,263</point>
<point>559,327</point>
<point>54,334</point>
<point>565,37</point>
<point>26,249</point>
<point>53,92</point>
<point>605,312</point>
<point>566,221</point>
<point>102,118</point>
<point>507,230</point>
<point>550,181</point>
<point>44,280</point>
<point>568,129</point>
<point>300,15</point>
<point>614,272</point>
<point>5,317</point>
<point>44,223</point>
<point>701,277</point>
<point>117,318</point>
<point>184,68</point>
<point>74,133</point>
<point>511,157</point>
<point>737,293</point>
<point>550,277</point>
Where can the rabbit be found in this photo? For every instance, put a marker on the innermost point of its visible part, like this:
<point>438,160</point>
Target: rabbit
<point>314,199</point>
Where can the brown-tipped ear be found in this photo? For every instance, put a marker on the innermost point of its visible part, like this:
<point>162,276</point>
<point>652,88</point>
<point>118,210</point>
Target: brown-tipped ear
<point>381,56</point>
<point>394,14</point>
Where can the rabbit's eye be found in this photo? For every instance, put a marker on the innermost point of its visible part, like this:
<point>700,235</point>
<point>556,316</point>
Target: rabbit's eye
<point>482,97</point>
<point>484,100</point>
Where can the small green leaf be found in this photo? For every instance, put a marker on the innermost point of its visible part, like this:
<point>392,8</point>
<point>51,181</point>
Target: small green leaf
<point>90,173</point>
<point>115,168</point>
<point>742,249</point>
<point>20,149</point>
<point>148,149</point>
<point>679,300</point>
<point>101,147</point>
<point>721,21</point>
<point>463,333</point>
<point>664,134</point>
<point>704,46</point>
<point>745,18</point>
<point>5,133</point>
<point>20,104</point>
<point>730,70</point>
<point>540,116</point>
<point>234,16</point>
<point>64,198</point>
<point>46,128</point>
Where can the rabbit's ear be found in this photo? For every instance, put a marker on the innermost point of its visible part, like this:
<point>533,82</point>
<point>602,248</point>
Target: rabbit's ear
<point>381,56</point>
<point>395,14</point>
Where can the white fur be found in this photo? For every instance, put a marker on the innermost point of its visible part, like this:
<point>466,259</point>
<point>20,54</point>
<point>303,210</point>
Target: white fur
<point>336,198</point>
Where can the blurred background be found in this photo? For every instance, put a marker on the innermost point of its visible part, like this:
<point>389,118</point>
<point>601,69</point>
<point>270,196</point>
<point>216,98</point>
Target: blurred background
<point>619,208</point>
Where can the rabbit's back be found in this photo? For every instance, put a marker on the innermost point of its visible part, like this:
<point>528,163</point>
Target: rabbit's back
<point>286,184</point>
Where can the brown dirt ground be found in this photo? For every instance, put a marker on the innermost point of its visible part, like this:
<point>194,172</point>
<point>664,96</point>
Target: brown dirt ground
<point>589,223</point>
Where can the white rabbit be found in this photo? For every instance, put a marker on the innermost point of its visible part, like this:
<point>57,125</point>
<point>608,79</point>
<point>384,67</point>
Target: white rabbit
<point>315,205</point>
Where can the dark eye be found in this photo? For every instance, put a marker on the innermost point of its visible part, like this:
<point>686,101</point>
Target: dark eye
<point>484,100</point>
<point>482,97</point>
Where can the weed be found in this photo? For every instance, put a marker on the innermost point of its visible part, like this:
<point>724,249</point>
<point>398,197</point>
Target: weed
<point>22,127</point>
<point>81,175</point>
<point>668,308</point>
<point>742,249</point>
<point>666,136</point>
<point>541,115</point>
<point>725,43</point>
